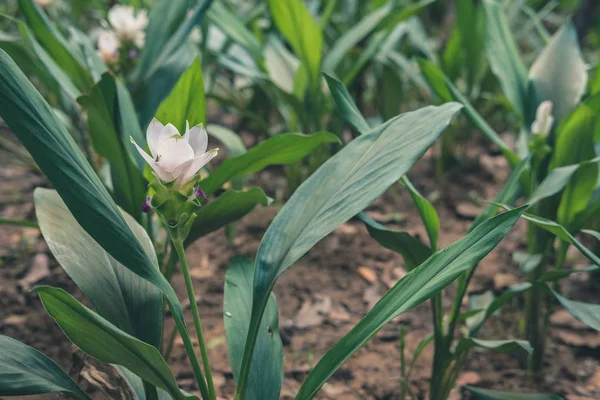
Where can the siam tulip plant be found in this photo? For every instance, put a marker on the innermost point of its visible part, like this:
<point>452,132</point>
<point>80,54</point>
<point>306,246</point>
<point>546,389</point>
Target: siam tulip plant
<point>110,256</point>
<point>273,83</point>
<point>555,162</point>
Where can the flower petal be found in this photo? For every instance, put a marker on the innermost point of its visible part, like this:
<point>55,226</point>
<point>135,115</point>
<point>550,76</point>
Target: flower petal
<point>191,167</point>
<point>173,152</point>
<point>153,135</point>
<point>162,174</point>
<point>197,138</point>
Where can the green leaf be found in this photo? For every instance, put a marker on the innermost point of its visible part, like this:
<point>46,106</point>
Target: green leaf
<point>118,295</point>
<point>556,274</point>
<point>229,207</point>
<point>231,140</point>
<point>587,313</point>
<point>444,88</point>
<point>556,180</point>
<point>420,284</point>
<point>507,195</point>
<point>559,73</point>
<point>430,217</point>
<point>104,127</point>
<point>55,45</point>
<point>50,72</point>
<point>558,230</point>
<point>186,101</point>
<point>266,374</point>
<point>498,346</point>
<point>575,143</point>
<point>343,186</point>
<point>104,341</point>
<point>487,394</point>
<point>505,61</point>
<point>137,385</point>
<point>167,58</point>
<point>235,29</point>
<point>284,148</point>
<point>413,251</point>
<point>55,152</point>
<point>353,36</point>
<point>25,371</point>
<point>345,105</point>
<point>302,32</point>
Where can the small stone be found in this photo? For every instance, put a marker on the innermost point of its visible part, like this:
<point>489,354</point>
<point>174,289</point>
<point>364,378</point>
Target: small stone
<point>468,378</point>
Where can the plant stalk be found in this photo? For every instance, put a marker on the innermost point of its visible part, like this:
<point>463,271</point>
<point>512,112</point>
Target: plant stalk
<point>178,244</point>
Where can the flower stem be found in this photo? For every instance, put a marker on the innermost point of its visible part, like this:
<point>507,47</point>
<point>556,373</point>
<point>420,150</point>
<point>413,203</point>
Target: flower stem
<point>178,244</point>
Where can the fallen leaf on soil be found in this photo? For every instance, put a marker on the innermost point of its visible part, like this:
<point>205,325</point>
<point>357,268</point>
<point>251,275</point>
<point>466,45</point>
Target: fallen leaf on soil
<point>38,270</point>
<point>15,320</point>
<point>367,274</point>
<point>334,390</point>
<point>371,295</point>
<point>564,319</point>
<point>594,382</point>
<point>339,314</point>
<point>468,378</point>
<point>392,276</point>
<point>312,312</point>
<point>107,383</point>
<point>468,210</point>
<point>590,340</point>
<point>503,281</point>
<point>202,269</point>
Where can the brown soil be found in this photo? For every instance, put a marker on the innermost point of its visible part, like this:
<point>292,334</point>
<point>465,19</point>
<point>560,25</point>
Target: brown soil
<point>324,294</point>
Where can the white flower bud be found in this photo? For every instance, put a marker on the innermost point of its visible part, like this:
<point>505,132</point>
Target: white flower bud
<point>543,119</point>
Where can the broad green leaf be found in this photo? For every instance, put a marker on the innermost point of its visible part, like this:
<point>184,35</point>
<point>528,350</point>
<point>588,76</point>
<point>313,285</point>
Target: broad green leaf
<point>281,65</point>
<point>25,371</point>
<point>55,152</point>
<point>345,104</point>
<point>57,78</point>
<point>556,274</point>
<point>229,207</point>
<point>444,88</point>
<point>559,73</point>
<point>300,29</point>
<point>104,341</point>
<point>235,29</point>
<point>413,251</point>
<point>587,313</point>
<point>127,301</point>
<point>343,186</point>
<point>575,144</point>
<point>420,284</point>
<point>430,217</point>
<point>55,45</point>
<point>487,394</point>
<point>186,101</point>
<point>137,385</point>
<point>284,148</point>
<point>353,36</point>
<point>560,232</point>
<point>557,180</point>
<point>266,375</point>
<point>499,346</point>
<point>505,61</point>
<point>103,119</point>
<point>160,70</point>
<point>470,23</point>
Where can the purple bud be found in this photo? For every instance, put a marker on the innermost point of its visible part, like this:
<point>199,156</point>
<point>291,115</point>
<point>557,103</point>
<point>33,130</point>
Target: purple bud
<point>133,54</point>
<point>199,192</point>
<point>147,206</point>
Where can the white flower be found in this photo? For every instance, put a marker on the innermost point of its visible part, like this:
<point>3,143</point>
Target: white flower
<point>543,119</point>
<point>108,46</point>
<point>175,157</point>
<point>127,24</point>
<point>43,3</point>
